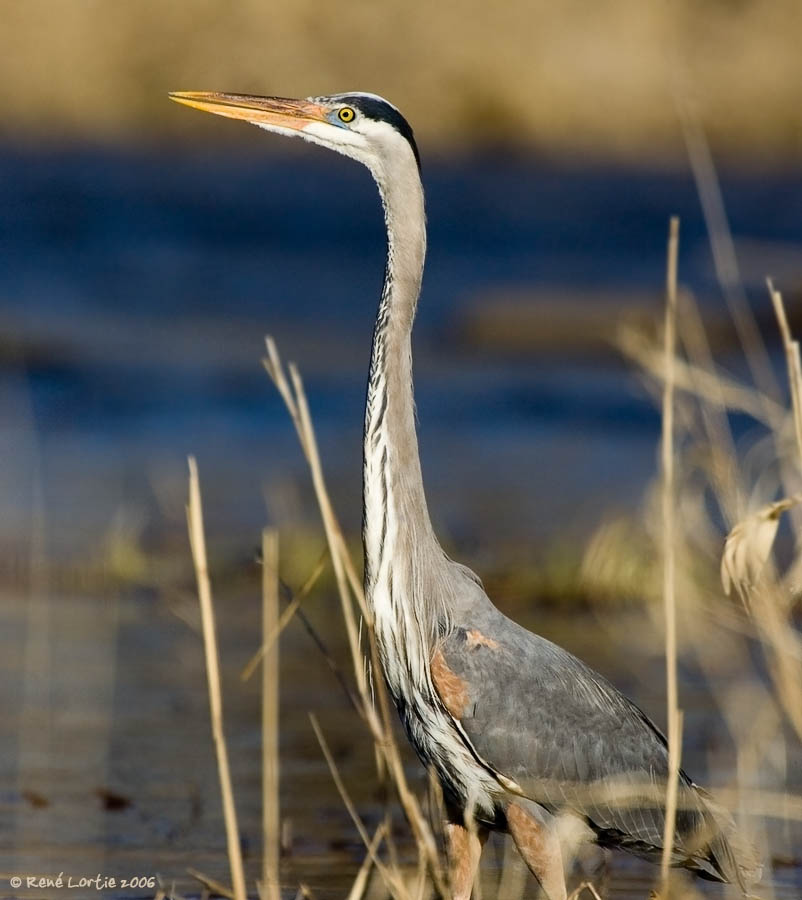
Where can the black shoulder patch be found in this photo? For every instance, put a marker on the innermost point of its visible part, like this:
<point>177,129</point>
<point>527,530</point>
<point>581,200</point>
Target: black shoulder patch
<point>380,110</point>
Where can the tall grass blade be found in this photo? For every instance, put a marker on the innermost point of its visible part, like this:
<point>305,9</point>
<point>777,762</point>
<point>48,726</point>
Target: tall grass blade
<point>270,718</point>
<point>669,552</point>
<point>197,542</point>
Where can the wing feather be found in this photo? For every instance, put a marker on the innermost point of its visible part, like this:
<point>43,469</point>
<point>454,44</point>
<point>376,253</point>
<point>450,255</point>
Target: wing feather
<point>541,717</point>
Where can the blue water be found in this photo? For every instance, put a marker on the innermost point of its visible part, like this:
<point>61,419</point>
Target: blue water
<point>136,288</point>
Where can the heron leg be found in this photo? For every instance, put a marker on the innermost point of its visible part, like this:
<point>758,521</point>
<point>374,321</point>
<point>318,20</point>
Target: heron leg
<point>539,846</point>
<point>464,847</point>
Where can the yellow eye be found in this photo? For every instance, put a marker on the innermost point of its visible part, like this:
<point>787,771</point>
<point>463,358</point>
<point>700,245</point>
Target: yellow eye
<point>346,114</point>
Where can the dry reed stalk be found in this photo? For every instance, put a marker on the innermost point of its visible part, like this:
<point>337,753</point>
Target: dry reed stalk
<point>384,784</point>
<point>473,833</point>
<point>295,401</point>
<point>747,551</point>
<point>724,458</point>
<point>217,887</point>
<point>767,730</point>
<point>791,348</point>
<point>585,886</point>
<point>345,576</point>
<point>197,542</point>
<point>270,718</point>
<point>285,618</point>
<point>794,367</point>
<point>711,387</point>
<point>772,608</point>
<point>421,880</point>
<point>334,532</point>
<point>752,716</point>
<point>669,554</point>
<point>394,884</point>
<point>722,245</point>
<point>360,884</point>
<point>783,648</point>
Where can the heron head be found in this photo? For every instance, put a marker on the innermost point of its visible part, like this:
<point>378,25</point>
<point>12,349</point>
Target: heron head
<point>363,126</point>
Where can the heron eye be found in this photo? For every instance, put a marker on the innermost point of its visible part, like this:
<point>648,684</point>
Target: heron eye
<point>346,114</point>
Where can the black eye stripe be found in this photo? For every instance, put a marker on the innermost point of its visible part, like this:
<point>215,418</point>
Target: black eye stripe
<point>382,111</point>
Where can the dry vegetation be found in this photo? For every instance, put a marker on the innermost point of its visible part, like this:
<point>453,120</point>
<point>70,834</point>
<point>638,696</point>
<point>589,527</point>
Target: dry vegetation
<point>567,77</point>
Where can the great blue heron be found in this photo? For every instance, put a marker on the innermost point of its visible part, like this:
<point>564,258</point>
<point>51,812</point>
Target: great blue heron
<point>518,730</point>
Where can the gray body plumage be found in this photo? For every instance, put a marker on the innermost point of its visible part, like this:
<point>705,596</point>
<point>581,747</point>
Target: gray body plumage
<point>565,735</point>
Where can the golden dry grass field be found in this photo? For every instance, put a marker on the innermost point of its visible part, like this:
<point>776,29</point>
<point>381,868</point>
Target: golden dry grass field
<point>569,77</point>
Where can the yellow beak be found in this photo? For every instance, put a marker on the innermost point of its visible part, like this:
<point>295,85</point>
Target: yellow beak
<point>277,111</point>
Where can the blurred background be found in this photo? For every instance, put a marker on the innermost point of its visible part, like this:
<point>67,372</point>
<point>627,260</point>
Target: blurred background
<point>146,250</point>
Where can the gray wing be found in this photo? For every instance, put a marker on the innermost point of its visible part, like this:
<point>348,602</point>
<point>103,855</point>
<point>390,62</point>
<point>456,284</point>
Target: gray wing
<point>541,717</point>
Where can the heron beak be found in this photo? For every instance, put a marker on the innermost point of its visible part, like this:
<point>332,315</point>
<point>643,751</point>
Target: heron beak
<point>275,111</point>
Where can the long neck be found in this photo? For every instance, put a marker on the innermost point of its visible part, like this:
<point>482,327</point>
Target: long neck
<point>403,561</point>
